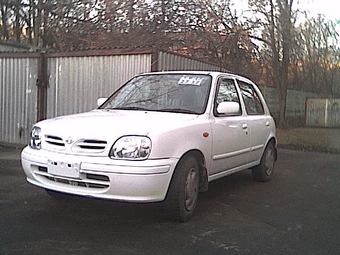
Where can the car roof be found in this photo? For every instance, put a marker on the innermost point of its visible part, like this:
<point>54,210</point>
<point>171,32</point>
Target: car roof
<point>186,72</point>
<point>215,74</point>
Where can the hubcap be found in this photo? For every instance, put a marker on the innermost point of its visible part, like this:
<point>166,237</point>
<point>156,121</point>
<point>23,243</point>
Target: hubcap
<point>191,189</point>
<point>269,164</point>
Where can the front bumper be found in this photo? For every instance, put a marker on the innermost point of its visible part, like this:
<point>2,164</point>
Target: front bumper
<point>99,177</point>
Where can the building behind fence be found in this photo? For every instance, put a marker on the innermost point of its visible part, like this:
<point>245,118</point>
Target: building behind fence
<point>36,86</point>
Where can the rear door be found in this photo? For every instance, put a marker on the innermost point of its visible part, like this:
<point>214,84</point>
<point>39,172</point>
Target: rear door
<point>258,122</point>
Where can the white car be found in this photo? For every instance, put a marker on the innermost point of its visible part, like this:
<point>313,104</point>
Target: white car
<point>161,137</point>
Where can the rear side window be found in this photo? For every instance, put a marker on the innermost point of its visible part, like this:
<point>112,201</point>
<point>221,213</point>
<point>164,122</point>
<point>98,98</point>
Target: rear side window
<point>251,99</point>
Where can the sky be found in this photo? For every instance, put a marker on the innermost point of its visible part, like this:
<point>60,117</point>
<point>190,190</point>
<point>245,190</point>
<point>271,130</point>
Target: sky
<point>330,8</point>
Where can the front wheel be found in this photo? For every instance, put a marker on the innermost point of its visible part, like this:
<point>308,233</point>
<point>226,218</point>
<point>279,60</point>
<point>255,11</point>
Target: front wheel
<point>183,191</point>
<point>264,171</point>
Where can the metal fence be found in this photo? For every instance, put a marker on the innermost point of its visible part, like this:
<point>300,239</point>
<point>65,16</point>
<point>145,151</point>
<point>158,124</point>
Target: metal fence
<point>18,98</point>
<point>35,86</point>
<point>171,62</point>
<point>75,83</point>
<point>323,112</point>
<point>295,104</point>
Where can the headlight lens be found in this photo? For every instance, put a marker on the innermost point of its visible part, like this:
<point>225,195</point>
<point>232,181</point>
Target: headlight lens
<point>131,147</point>
<point>35,142</point>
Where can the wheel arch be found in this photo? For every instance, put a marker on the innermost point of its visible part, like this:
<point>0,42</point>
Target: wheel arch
<point>272,141</point>
<point>200,158</point>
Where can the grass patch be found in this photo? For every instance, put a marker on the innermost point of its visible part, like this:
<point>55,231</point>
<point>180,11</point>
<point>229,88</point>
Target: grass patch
<point>303,138</point>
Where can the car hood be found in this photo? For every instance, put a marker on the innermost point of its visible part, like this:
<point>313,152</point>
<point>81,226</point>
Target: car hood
<point>104,124</point>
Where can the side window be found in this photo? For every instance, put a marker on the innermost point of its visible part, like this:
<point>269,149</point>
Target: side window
<point>226,92</point>
<point>251,99</point>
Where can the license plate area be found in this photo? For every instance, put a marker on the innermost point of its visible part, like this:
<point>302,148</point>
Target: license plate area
<point>64,169</point>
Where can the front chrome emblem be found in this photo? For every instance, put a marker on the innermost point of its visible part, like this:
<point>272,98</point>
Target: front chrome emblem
<point>69,140</point>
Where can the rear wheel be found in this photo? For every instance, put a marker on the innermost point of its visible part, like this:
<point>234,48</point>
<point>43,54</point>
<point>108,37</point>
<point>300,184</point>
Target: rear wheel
<point>183,192</point>
<point>264,171</point>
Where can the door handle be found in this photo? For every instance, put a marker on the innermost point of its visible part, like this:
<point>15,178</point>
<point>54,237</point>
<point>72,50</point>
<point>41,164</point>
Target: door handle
<point>244,126</point>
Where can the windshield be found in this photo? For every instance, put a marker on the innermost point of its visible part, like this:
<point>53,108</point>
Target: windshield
<point>184,93</point>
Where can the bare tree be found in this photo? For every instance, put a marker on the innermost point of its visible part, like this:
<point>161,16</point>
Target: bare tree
<point>316,55</point>
<point>4,12</point>
<point>277,20</point>
<point>285,53</point>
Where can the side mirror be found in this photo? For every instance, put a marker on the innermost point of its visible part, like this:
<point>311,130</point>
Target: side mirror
<point>101,101</point>
<point>228,108</point>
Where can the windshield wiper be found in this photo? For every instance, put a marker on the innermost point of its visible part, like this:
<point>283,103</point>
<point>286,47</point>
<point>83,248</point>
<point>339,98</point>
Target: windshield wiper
<point>129,108</point>
<point>179,110</point>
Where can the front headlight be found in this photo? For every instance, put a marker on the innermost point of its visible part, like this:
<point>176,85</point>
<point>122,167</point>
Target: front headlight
<point>35,142</point>
<point>131,147</point>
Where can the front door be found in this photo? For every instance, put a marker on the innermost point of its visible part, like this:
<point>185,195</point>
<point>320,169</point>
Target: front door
<point>230,132</point>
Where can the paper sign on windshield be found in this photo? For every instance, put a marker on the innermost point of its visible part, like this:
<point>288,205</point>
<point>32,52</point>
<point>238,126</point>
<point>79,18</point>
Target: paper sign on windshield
<point>190,80</point>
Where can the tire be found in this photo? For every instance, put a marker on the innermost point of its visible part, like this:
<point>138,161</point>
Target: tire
<point>182,196</point>
<point>264,171</point>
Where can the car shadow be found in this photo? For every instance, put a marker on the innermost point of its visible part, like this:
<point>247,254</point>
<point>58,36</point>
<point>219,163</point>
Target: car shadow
<point>77,208</point>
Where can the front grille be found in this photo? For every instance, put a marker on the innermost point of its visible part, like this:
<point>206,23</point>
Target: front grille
<point>80,146</point>
<point>54,140</point>
<point>87,145</point>
<point>87,180</point>
<point>97,177</point>
<point>42,169</point>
